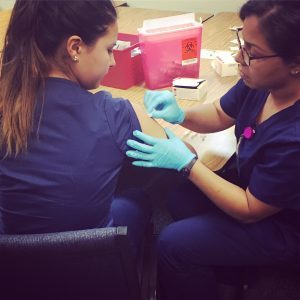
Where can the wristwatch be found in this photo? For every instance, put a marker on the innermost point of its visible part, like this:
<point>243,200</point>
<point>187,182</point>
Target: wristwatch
<point>185,171</point>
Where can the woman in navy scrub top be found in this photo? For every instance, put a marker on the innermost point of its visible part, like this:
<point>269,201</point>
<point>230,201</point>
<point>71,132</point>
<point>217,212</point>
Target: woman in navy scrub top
<point>62,147</point>
<point>253,217</point>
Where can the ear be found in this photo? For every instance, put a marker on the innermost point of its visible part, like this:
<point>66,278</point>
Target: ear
<point>295,69</point>
<point>295,72</point>
<point>74,45</point>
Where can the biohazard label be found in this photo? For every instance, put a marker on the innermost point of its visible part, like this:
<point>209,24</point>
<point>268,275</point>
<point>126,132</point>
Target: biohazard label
<point>189,51</point>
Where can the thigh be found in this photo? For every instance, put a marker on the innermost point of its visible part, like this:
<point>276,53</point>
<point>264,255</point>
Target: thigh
<point>215,239</point>
<point>132,208</point>
<point>187,200</point>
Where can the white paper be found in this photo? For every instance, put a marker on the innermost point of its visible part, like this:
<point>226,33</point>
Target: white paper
<point>226,58</point>
<point>121,45</point>
<point>168,21</point>
<point>235,48</point>
<point>212,54</point>
<point>235,41</point>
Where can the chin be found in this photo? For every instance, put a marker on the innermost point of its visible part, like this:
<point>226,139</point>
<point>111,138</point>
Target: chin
<point>95,86</point>
<point>248,83</point>
<point>253,85</point>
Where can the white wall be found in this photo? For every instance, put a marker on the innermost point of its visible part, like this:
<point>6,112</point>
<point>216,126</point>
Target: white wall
<point>6,4</point>
<point>210,6</point>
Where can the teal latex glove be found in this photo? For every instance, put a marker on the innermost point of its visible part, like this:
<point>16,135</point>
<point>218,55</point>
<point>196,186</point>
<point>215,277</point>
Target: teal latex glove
<point>159,153</point>
<point>163,105</point>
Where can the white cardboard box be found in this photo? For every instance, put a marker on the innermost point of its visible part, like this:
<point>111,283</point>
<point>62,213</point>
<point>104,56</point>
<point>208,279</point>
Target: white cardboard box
<point>225,65</point>
<point>189,88</point>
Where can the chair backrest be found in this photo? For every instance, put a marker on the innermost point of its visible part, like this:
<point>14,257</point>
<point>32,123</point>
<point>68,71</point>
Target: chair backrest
<point>84,264</point>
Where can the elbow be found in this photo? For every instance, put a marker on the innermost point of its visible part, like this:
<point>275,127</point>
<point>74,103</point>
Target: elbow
<point>248,214</point>
<point>247,218</point>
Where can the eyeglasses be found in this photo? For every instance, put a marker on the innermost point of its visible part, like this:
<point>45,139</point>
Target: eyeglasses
<point>246,56</point>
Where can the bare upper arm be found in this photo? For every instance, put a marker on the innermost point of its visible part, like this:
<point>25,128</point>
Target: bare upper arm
<point>224,119</point>
<point>148,125</point>
<point>151,127</point>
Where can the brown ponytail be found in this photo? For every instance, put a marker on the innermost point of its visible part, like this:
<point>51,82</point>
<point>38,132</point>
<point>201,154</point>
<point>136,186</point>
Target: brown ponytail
<point>36,30</point>
<point>23,68</point>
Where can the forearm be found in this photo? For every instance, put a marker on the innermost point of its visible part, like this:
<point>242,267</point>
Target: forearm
<point>206,118</point>
<point>229,197</point>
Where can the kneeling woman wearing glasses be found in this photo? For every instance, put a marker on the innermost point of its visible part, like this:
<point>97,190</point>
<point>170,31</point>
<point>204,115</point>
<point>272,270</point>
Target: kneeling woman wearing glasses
<point>253,218</point>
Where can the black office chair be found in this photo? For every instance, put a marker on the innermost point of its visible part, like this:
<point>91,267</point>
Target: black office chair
<point>84,264</point>
<point>260,283</point>
<point>276,283</point>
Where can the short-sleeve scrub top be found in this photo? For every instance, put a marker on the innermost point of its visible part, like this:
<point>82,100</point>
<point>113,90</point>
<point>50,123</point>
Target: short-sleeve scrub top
<point>269,160</point>
<point>67,177</point>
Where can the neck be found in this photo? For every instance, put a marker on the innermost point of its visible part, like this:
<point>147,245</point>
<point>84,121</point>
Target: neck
<point>58,74</point>
<point>288,94</point>
<point>59,69</point>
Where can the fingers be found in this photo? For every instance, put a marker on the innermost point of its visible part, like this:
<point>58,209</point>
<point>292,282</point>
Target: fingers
<point>139,155</point>
<point>170,133</point>
<point>145,137</point>
<point>157,104</point>
<point>145,164</point>
<point>139,146</point>
<point>148,100</point>
<point>156,100</point>
<point>158,114</point>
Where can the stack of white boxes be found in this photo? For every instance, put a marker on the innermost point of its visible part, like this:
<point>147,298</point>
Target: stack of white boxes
<point>225,65</point>
<point>189,88</point>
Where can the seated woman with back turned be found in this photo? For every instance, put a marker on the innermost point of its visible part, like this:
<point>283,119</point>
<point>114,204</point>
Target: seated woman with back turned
<point>252,218</point>
<point>62,147</point>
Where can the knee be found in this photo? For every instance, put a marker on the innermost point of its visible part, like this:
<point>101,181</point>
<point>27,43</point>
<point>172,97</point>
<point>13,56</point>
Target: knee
<point>133,202</point>
<point>192,241</point>
<point>170,249</point>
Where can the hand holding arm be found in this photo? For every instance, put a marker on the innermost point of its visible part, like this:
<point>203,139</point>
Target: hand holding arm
<point>163,105</point>
<point>169,153</point>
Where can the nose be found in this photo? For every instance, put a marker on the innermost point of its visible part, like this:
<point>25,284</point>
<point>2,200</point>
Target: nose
<point>239,58</point>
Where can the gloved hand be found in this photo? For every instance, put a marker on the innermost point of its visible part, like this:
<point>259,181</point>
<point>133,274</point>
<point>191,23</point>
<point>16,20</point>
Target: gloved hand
<point>163,105</point>
<point>159,153</point>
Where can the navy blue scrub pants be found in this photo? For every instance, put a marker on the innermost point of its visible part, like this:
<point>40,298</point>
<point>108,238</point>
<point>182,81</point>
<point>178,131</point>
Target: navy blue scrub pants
<point>203,238</point>
<point>132,208</point>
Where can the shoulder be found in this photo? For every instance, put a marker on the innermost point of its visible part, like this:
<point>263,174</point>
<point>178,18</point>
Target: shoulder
<point>241,95</point>
<point>117,110</point>
<point>284,127</point>
<point>59,91</point>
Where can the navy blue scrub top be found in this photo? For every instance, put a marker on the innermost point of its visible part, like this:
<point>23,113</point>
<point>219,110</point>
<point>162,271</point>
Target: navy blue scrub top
<point>67,178</point>
<point>269,162</point>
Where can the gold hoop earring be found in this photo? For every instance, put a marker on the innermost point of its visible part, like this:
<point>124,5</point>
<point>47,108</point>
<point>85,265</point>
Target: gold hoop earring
<point>75,58</point>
